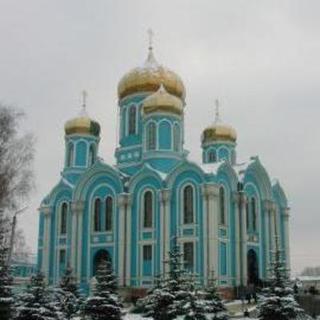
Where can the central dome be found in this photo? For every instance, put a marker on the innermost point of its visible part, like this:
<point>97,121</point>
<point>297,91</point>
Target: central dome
<point>149,78</point>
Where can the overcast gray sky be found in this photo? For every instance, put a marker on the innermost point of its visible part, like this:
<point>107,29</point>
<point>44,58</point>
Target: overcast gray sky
<point>260,58</point>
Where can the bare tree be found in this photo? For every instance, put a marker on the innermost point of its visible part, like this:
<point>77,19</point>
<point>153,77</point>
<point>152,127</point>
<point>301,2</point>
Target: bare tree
<point>16,159</point>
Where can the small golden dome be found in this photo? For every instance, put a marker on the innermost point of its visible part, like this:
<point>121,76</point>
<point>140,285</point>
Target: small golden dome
<point>162,101</point>
<point>149,77</point>
<point>82,124</point>
<point>219,131</point>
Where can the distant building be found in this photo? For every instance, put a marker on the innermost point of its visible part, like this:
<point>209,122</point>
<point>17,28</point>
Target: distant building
<point>22,269</point>
<point>224,213</point>
<point>309,282</point>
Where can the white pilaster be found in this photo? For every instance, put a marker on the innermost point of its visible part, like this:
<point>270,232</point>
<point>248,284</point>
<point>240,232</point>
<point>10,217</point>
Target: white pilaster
<point>124,203</point>
<point>237,238</point>
<point>213,222</point>
<point>80,211</point>
<point>47,211</point>
<point>267,234</point>
<point>74,234</point>
<point>272,227</point>
<point>164,228</point>
<point>287,236</point>
<point>244,237</point>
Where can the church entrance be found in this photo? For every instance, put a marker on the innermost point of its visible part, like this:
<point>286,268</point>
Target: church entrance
<point>101,255</point>
<point>253,268</point>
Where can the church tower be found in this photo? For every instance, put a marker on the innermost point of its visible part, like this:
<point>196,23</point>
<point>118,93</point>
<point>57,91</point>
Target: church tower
<point>82,136</point>
<point>151,102</point>
<point>218,141</point>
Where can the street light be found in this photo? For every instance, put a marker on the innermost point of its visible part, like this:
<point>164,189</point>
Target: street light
<point>13,231</point>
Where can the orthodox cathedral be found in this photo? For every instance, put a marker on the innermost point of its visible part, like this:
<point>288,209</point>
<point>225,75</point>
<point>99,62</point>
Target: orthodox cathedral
<point>226,216</point>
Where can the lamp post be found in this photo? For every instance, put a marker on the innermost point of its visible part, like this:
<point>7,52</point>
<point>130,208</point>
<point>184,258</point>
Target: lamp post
<point>13,231</point>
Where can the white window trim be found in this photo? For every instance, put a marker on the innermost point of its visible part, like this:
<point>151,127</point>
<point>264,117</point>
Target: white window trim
<point>142,228</point>
<point>182,204</point>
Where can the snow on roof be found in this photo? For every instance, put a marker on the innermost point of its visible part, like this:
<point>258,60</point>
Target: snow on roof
<point>211,168</point>
<point>241,168</point>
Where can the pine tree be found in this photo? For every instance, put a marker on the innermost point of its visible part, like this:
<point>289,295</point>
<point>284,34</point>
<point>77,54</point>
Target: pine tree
<point>213,302</point>
<point>171,296</point>
<point>6,295</point>
<point>278,300</point>
<point>36,302</point>
<point>105,304</point>
<point>67,296</point>
<point>155,304</point>
<point>195,307</point>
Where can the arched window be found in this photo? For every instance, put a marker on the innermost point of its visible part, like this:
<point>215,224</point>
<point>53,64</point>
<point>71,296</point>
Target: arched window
<point>63,218</point>
<point>212,157</point>
<point>222,201</point>
<point>147,209</point>
<point>109,212</point>
<point>176,137</point>
<point>254,214</point>
<point>132,120</point>
<point>70,156</point>
<point>151,136</point>
<point>91,155</point>
<point>188,205</point>
<point>97,220</point>
<point>165,135</point>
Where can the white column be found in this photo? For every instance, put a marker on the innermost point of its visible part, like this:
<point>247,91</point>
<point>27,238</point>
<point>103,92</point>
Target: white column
<point>267,235</point>
<point>210,230</point>
<point>237,238</point>
<point>74,232</point>
<point>79,210</point>
<point>213,222</point>
<point>47,212</point>
<point>205,228</point>
<point>124,203</point>
<point>272,227</point>
<point>128,240</point>
<point>244,237</point>
<point>164,228</point>
<point>287,236</point>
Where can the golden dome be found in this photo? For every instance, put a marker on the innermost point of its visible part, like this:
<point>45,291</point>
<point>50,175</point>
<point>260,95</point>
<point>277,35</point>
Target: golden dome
<point>162,101</point>
<point>149,77</point>
<point>219,131</point>
<point>82,125</point>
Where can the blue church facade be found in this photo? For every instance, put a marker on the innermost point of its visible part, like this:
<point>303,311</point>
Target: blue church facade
<point>225,215</point>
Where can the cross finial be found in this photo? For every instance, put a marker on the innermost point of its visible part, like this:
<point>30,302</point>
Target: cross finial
<point>84,95</point>
<point>217,112</point>
<point>150,38</point>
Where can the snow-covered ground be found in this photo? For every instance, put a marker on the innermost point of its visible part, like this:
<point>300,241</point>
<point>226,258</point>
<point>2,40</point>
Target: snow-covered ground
<point>131,316</point>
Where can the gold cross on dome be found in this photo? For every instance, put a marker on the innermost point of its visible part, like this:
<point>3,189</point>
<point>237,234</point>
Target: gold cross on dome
<point>150,38</point>
<point>84,95</point>
<point>217,113</point>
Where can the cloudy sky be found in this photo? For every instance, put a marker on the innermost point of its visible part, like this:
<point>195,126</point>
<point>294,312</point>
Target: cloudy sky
<point>260,58</point>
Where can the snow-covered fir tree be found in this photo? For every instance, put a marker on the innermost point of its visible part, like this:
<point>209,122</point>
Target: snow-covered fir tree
<point>68,302</point>
<point>213,302</point>
<point>171,296</point>
<point>195,308</point>
<point>105,303</point>
<point>155,304</point>
<point>6,295</point>
<point>36,302</point>
<point>277,301</point>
